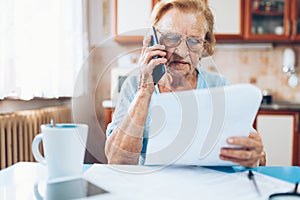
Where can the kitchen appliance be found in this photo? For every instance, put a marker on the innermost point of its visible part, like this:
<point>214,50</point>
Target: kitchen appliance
<point>267,96</point>
<point>289,67</point>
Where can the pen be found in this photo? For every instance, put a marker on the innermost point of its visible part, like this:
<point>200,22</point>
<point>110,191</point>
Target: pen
<point>251,177</point>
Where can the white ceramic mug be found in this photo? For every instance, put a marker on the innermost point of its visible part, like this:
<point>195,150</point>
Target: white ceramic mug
<point>64,149</point>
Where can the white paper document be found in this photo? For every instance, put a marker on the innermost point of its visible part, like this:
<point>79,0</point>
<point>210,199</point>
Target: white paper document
<point>180,182</point>
<point>190,127</point>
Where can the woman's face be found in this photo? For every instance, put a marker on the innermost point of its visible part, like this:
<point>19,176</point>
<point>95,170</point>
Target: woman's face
<point>181,59</point>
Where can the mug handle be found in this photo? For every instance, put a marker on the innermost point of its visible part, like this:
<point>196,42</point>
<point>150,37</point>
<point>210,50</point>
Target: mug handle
<point>35,149</point>
<point>37,194</point>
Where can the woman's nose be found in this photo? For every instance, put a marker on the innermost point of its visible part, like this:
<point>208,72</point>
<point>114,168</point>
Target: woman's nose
<point>182,49</point>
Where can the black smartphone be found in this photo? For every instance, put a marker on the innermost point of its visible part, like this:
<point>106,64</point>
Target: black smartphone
<point>69,189</point>
<point>159,70</point>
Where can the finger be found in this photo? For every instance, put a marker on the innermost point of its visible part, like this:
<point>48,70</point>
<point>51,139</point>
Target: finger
<point>255,136</point>
<point>157,51</point>
<point>240,154</point>
<point>245,163</point>
<point>246,142</point>
<point>157,47</point>
<point>157,61</point>
<point>142,56</point>
<point>147,68</point>
<point>146,43</point>
<point>148,56</point>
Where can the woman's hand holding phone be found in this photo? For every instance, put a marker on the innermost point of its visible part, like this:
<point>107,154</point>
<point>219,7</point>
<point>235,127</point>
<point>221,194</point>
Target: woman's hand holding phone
<point>151,63</point>
<point>159,69</point>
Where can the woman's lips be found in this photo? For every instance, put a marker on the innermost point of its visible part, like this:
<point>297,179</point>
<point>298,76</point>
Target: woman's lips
<point>176,62</point>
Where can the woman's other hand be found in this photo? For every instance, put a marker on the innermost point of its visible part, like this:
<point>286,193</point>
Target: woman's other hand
<point>250,154</point>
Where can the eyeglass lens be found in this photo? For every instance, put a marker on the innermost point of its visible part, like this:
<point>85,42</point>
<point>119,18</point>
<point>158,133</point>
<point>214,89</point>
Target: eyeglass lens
<point>172,40</point>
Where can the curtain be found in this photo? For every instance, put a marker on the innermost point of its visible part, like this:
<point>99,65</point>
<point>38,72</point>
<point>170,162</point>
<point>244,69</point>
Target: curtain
<point>42,44</point>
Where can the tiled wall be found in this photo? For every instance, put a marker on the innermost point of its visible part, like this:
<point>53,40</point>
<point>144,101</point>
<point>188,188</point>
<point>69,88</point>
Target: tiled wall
<point>262,67</point>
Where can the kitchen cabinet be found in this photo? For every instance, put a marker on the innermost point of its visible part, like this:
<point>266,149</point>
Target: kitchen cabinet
<point>243,20</point>
<point>272,20</point>
<point>109,108</point>
<point>131,18</point>
<point>295,20</point>
<point>108,115</point>
<point>228,24</point>
<point>280,135</point>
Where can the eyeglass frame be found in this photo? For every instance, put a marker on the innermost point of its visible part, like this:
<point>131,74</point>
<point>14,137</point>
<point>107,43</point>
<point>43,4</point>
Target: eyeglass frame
<point>202,43</point>
<point>294,193</point>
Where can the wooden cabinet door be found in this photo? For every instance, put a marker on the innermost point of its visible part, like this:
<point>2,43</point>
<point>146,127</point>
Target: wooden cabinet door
<point>267,20</point>
<point>295,20</point>
<point>229,18</point>
<point>279,132</point>
<point>131,19</point>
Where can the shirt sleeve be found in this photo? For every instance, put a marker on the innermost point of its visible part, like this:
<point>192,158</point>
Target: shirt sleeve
<point>128,91</point>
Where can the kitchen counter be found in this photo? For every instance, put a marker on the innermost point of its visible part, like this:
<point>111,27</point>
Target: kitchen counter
<point>282,106</point>
<point>276,105</point>
<point>278,124</point>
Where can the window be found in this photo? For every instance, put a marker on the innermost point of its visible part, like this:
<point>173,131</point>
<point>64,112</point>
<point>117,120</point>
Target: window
<point>41,47</point>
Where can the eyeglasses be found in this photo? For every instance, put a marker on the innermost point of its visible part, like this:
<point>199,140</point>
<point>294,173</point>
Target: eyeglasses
<point>287,195</point>
<point>277,196</point>
<point>171,40</point>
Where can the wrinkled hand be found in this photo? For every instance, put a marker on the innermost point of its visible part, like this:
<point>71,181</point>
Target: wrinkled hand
<point>250,153</point>
<point>147,63</point>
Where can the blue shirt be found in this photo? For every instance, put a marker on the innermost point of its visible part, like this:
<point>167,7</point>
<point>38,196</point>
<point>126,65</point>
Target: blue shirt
<point>129,89</point>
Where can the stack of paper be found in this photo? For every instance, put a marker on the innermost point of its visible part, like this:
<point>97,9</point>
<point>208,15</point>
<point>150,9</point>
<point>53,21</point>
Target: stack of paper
<point>180,182</point>
<point>190,127</point>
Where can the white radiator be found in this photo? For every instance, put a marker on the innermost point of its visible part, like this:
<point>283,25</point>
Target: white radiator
<point>18,129</point>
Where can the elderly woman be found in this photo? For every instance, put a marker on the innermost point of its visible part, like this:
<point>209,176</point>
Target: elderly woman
<point>185,30</point>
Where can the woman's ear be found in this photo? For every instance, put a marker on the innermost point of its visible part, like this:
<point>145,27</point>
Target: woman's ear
<point>209,45</point>
<point>204,54</point>
<point>207,51</point>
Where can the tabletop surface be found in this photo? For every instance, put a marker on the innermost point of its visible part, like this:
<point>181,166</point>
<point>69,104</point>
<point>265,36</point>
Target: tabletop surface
<point>19,180</point>
<point>286,173</point>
